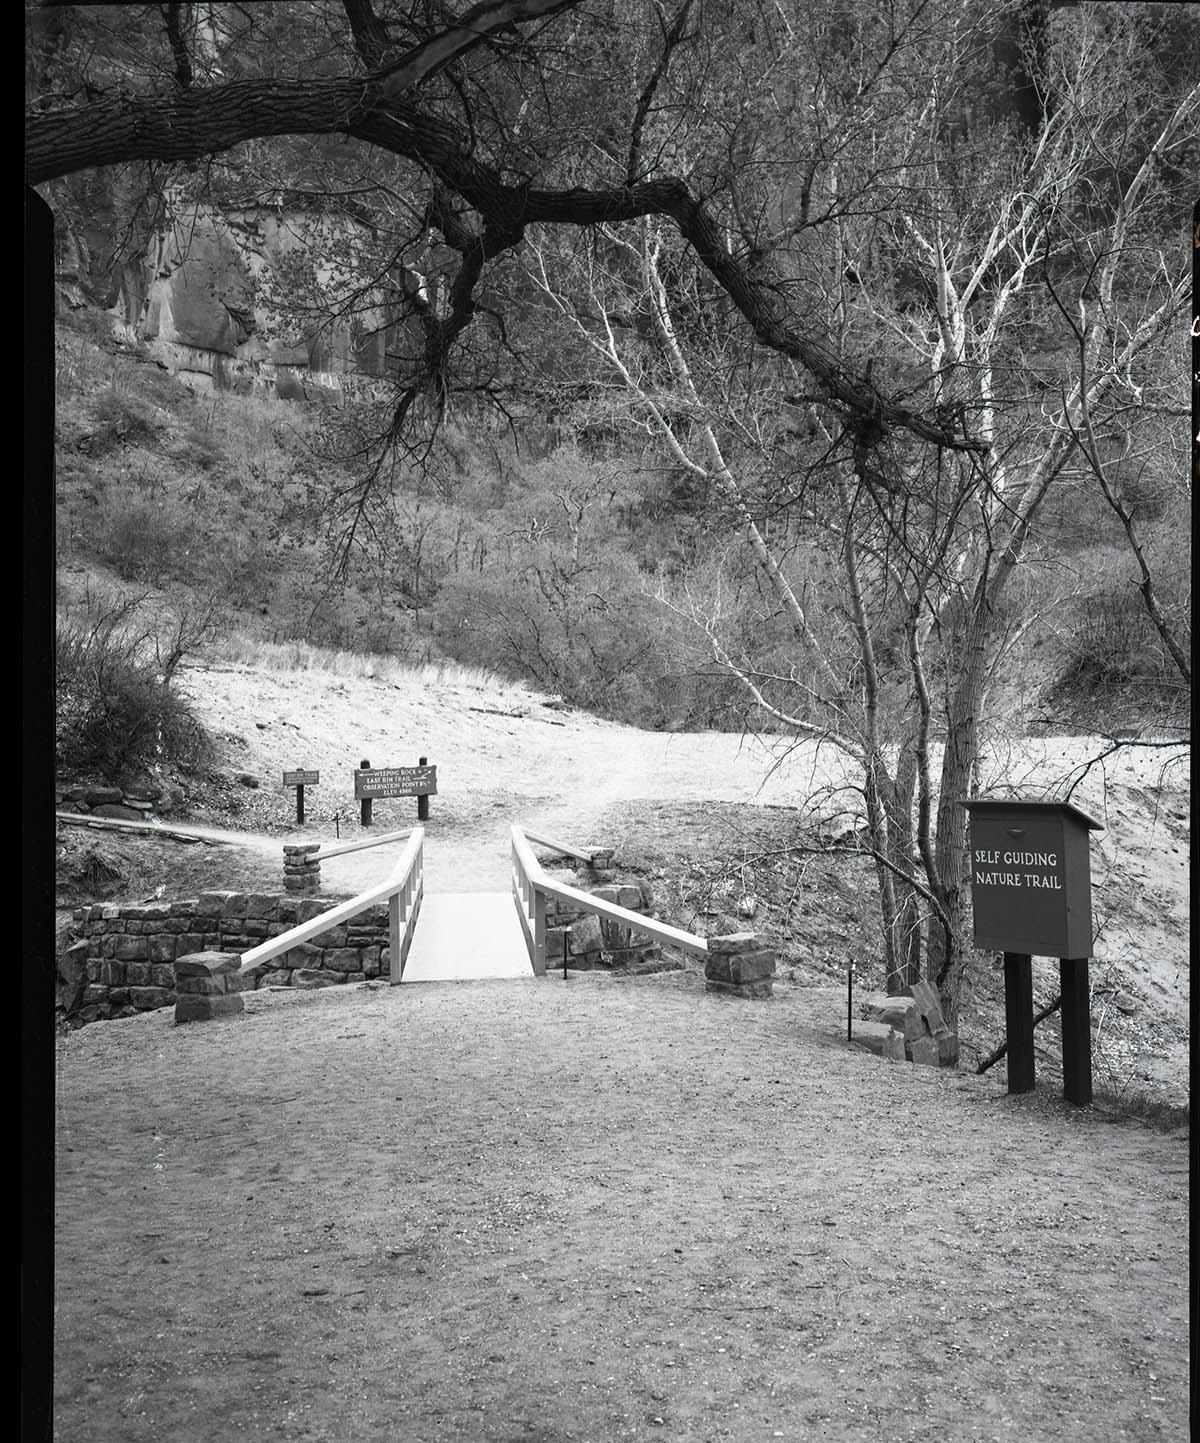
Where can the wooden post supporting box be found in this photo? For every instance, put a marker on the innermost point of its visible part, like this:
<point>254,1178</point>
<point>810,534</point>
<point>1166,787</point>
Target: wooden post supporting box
<point>1031,890</point>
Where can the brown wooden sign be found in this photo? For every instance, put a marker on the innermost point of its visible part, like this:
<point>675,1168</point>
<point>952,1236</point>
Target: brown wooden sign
<point>1031,885</point>
<point>395,782</point>
<point>301,779</point>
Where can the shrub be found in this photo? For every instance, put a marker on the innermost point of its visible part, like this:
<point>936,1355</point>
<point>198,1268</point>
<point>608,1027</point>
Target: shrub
<point>115,712</point>
<point>1115,644</point>
<point>198,447</point>
<point>142,540</point>
<point>121,418</point>
<point>587,633</point>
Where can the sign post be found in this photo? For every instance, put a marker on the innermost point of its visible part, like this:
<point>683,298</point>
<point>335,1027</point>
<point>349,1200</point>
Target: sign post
<point>300,779</point>
<point>1031,891</point>
<point>423,797</point>
<point>365,808</point>
<point>1018,1019</point>
<point>1076,1029</point>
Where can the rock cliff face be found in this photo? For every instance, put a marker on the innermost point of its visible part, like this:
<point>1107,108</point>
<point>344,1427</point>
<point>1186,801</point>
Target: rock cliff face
<point>187,280</point>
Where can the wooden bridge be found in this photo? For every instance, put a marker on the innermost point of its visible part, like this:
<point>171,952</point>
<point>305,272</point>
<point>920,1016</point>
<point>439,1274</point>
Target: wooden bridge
<point>457,936</point>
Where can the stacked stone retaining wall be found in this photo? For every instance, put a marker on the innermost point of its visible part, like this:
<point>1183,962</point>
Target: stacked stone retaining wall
<point>120,960</point>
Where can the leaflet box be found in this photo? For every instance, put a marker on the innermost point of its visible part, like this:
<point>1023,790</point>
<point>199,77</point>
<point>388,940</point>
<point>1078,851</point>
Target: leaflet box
<point>1031,880</point>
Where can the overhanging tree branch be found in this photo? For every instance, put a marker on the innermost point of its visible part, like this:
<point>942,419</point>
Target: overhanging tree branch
<point>378,109</point>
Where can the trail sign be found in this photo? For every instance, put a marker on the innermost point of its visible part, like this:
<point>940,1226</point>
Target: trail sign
<point>395,782</point>
<point>301,779</point>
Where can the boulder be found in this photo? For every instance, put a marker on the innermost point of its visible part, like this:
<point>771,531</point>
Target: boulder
<point>171,800</point>
<point>72,975</point>
<point>146,790</point>
<point>118,811</point>
<point>879,1038</point>
<point>924,1051</point>
<point>899,1012</point>
<point>100,796</point>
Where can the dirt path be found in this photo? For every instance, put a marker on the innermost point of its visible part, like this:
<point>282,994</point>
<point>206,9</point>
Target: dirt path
<point>595,1210</point>
<point>563,786</point>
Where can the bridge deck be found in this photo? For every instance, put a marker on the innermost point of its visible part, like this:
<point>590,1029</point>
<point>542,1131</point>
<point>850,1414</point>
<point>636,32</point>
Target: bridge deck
<point>463,935</point>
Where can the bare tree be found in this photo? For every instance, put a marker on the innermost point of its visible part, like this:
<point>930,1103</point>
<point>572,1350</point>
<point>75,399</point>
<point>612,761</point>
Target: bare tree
<point>936,243</point>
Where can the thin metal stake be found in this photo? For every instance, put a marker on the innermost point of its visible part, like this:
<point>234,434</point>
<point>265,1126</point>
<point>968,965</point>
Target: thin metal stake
<point>564,956</point>
<point>849,999</point>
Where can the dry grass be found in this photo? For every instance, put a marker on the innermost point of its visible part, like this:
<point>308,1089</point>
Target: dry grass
<point>242,650</point>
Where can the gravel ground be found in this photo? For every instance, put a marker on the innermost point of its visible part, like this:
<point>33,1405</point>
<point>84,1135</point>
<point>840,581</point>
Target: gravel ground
<point>596,1210</point>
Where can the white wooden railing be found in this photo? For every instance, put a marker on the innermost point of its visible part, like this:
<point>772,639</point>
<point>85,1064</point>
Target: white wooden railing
<point>402,889</point>
<point>582,854</point>
<point>530,899</point>
<point>532,885</point>
<point>341,848</point>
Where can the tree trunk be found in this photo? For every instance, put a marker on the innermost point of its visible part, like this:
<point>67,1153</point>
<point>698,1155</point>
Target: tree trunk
<point>889,831</point>
<point>908,916</point>
<point>948,953</point>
